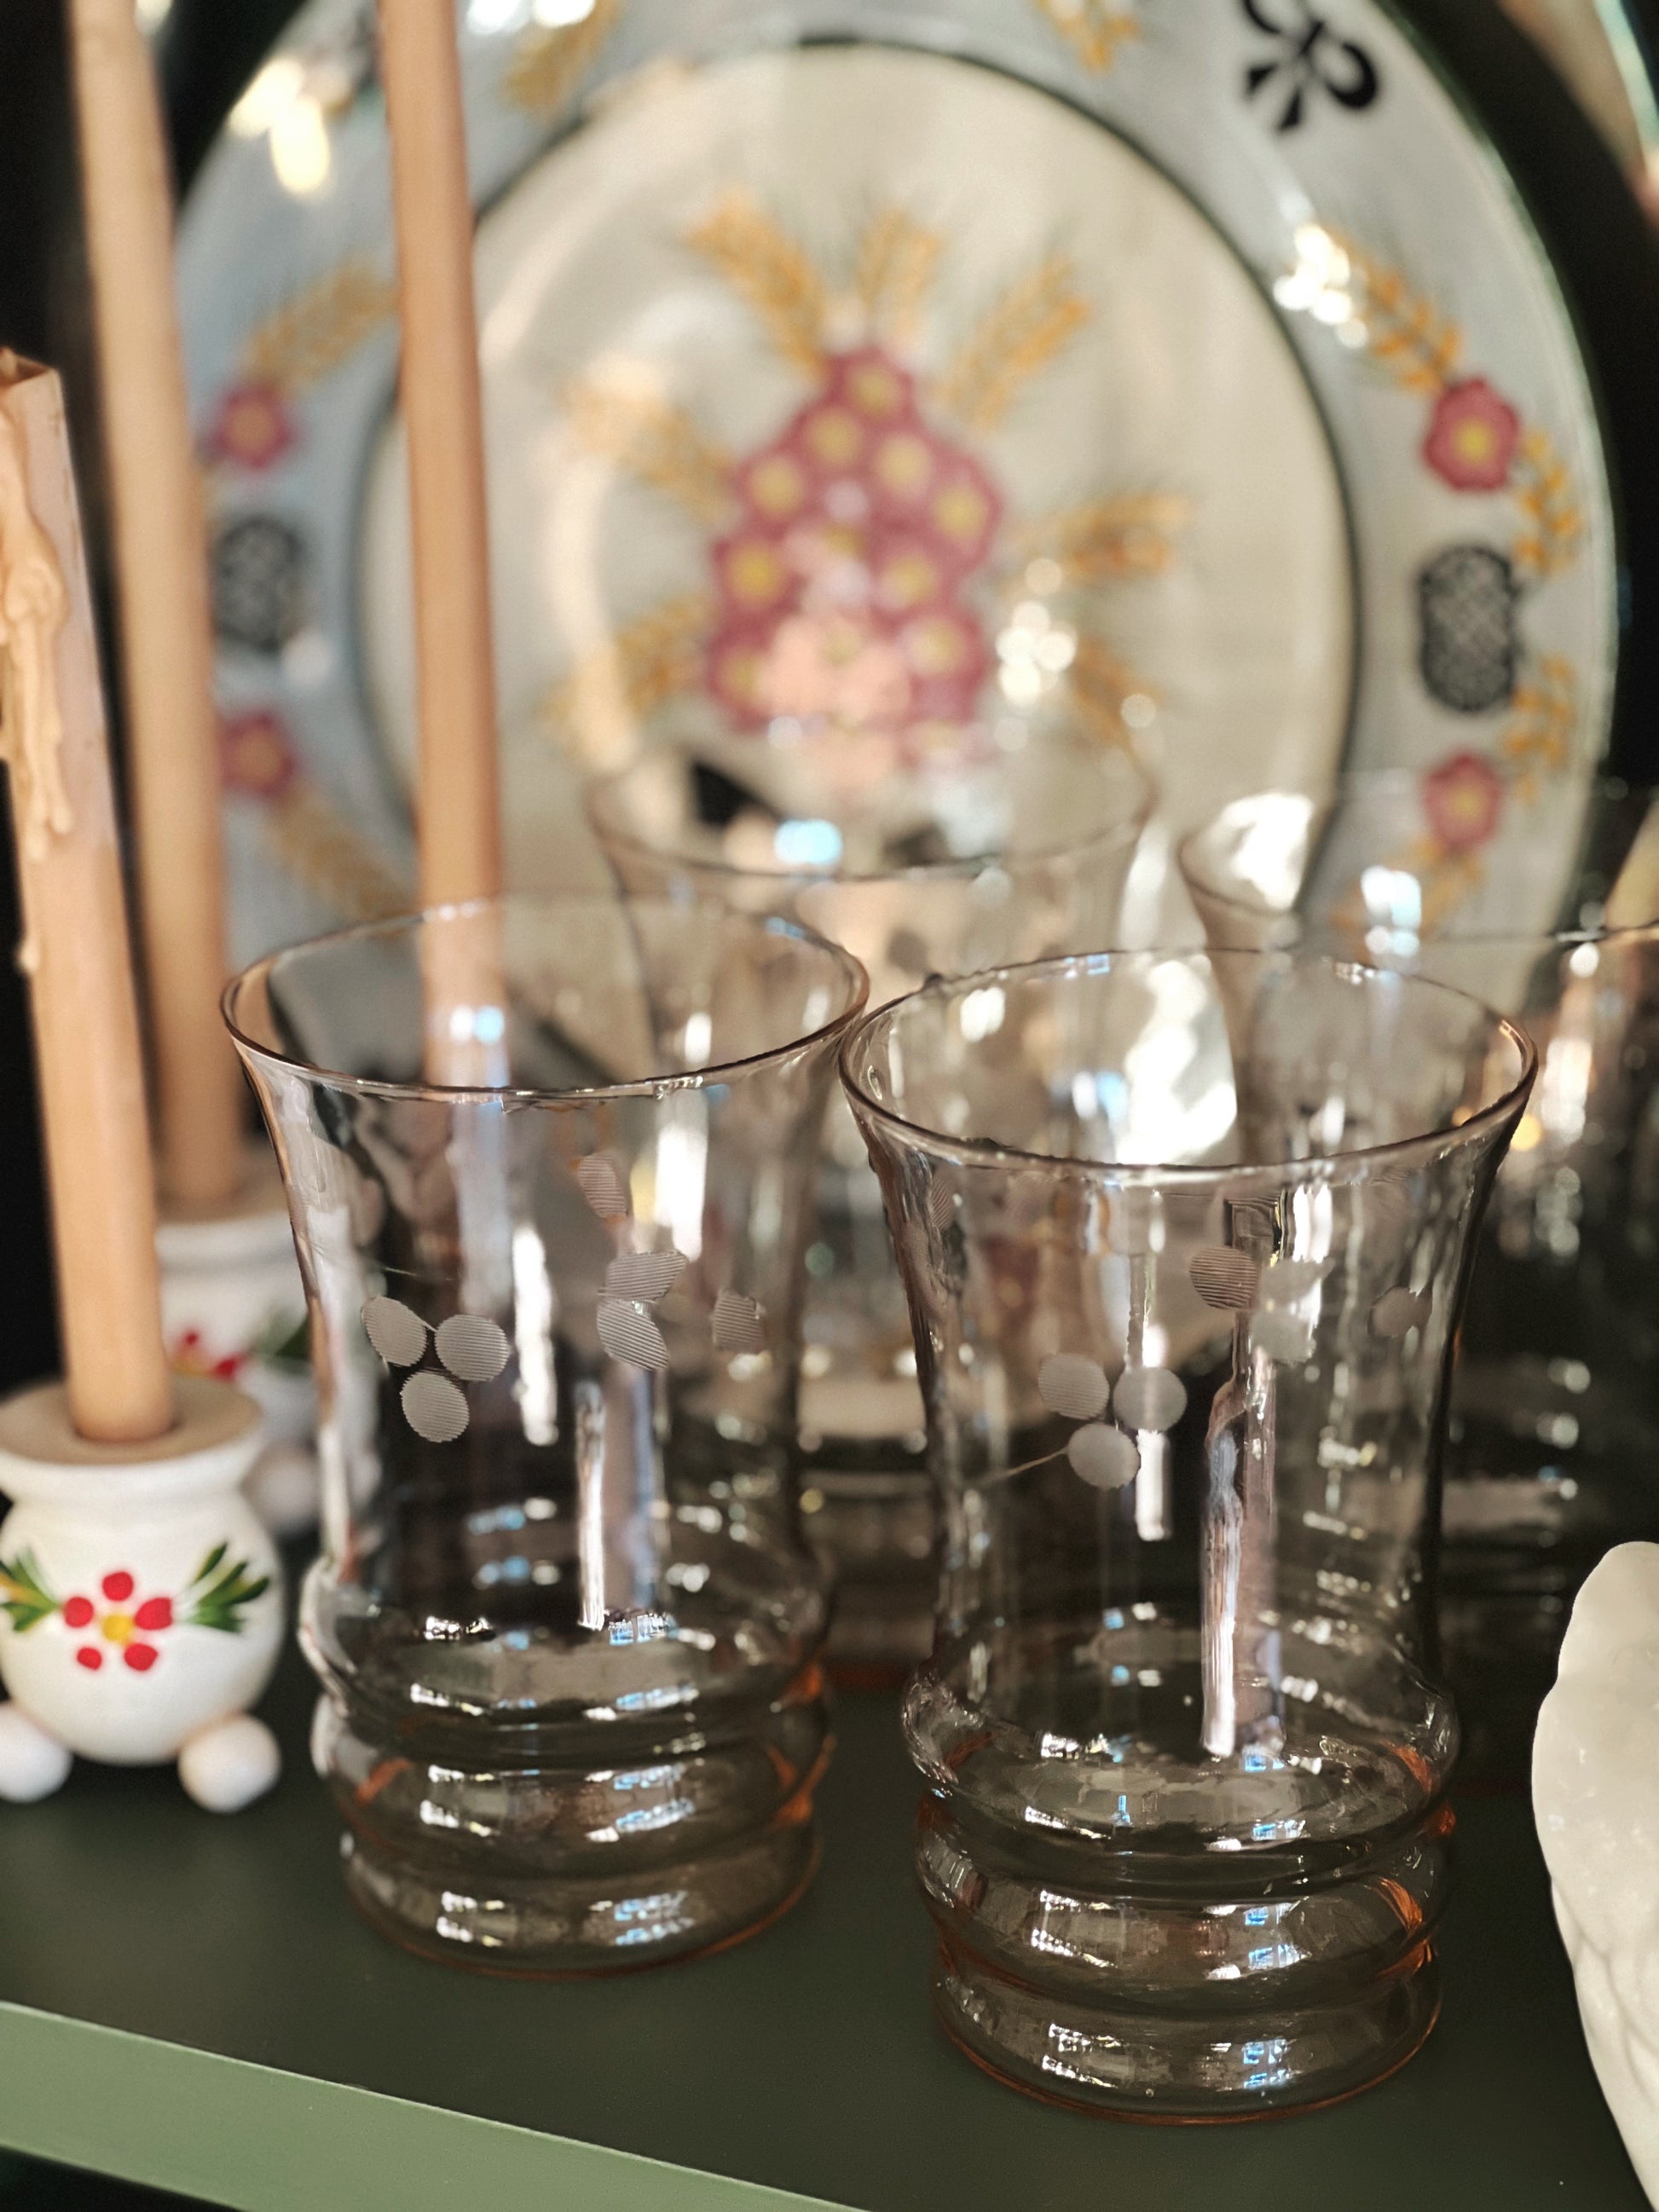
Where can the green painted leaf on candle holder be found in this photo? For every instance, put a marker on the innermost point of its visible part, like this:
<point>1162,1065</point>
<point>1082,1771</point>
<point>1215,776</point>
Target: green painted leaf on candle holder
<point>23,1596</point>
<point>222,1602</point>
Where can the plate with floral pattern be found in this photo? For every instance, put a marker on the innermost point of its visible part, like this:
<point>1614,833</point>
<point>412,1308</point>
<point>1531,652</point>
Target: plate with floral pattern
<point>1187,376</point>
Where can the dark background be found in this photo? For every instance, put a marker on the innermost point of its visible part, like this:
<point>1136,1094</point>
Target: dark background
<point>1607,254</point>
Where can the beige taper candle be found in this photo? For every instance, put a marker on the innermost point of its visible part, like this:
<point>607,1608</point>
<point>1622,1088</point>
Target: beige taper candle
<point>75,948</point>
<point>160,561</point>
<point>460,808</point>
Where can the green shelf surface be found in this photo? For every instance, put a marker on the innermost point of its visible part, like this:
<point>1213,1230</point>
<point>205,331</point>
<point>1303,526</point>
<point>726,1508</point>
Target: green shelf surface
<point>190,2003</point>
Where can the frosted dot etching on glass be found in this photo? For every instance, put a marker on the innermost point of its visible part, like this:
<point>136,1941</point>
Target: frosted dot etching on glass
<point>469,1347</point>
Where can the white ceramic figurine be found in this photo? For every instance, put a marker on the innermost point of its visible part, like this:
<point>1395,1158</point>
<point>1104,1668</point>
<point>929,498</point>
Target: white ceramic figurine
<point>1595,1798</point>
<point>141,1599</point>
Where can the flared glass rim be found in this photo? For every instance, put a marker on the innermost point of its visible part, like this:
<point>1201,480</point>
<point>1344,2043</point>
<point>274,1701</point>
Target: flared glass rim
<point>851,969</point>
<point>1357,782</point>
<point>1128,832</point>
<point>1279,1175</point>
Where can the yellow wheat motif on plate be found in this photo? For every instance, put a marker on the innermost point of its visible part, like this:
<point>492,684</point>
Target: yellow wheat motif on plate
<point>629,422</point>
<point>896,260</point>
<point>321,850</point>
<point>1032,322</point>
<point>1096,31</point>
<point>316,332</point>
<point>769,272</point>
<point>611,691</point>
<point>550,61</point>
<point>1135,535</point>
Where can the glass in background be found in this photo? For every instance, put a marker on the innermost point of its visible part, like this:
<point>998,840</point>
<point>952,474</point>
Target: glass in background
<point>1549,1457</point>
<point>937,865</point>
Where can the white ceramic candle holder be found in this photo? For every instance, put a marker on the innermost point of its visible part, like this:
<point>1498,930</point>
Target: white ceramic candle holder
<point>232,1304</point>
<point>141,1598</point>
<point>1595,1798</point>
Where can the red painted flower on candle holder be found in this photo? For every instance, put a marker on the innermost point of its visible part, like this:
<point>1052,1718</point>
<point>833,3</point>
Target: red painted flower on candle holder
<point>256,757</point>
<point>840,586</point>
<point>189,1354</point>
<point>1463,799</point>
<point>1473,437</point>
<point>117,1620</point>
<point>118,1623</point>
<point>252,426</point>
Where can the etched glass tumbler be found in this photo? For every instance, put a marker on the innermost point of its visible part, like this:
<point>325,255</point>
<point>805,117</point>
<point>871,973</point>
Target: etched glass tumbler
<point>1555,1392</point>
<point>1184,1239</point>
<point>564,1618</point>
<point>940,866</point>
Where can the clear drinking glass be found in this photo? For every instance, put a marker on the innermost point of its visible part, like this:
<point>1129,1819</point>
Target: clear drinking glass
<point>1555,1394</point>
<point>1184,1238</point>
<point>564,1620</point>
<point>938,866</point>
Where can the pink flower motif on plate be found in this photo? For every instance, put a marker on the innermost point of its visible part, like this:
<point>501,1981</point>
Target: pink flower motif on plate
<point>840,586</point>
<point>1473,435</point>
<point>252,426</point>
<point>1463,799</point>
<point>256,757</point>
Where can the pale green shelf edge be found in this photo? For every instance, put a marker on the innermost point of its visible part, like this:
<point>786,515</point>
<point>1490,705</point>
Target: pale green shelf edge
<point>258,2139</point>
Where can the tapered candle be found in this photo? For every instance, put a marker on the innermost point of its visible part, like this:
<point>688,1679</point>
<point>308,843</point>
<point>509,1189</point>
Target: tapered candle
<point>75,948</point>
<point>459,812</point>
<point>160,561</point>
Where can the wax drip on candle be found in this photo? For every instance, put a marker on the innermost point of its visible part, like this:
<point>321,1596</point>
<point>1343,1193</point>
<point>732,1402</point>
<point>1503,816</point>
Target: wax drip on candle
<point>33,608</point>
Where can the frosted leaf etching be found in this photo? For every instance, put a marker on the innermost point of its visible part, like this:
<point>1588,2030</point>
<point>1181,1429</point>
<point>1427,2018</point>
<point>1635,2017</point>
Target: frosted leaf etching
<point>941,1202</point>
<point>600,1177</point>
<point>395,1333</point>
<point>1073,1386</point>
<point>1224,1279</point>
<point>1150,1398</point>
<point>738,1324</point>
<point>1103,1456</point>
<point>434,1407</point>
<point>472,1347</point>
<point>628,1332</point>
<point>646,1276</point>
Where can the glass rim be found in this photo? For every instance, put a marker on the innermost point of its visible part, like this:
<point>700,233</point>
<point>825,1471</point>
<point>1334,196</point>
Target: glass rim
<point>410,925</point>
<point>1358,781</point>
<point>985,1151</point>
<point>1129,830</point>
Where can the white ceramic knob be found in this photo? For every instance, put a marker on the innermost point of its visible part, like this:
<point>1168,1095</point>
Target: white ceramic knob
<point>32,1763</point>
<point>230,1764</point>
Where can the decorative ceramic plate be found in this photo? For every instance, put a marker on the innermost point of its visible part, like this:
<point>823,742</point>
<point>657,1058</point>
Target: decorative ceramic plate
<point>1188,372</point>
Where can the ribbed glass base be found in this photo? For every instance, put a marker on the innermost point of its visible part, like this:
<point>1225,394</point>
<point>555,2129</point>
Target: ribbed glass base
<point>1189,2007</point>
<point>581,1849</point>
<point>588,1925</point>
